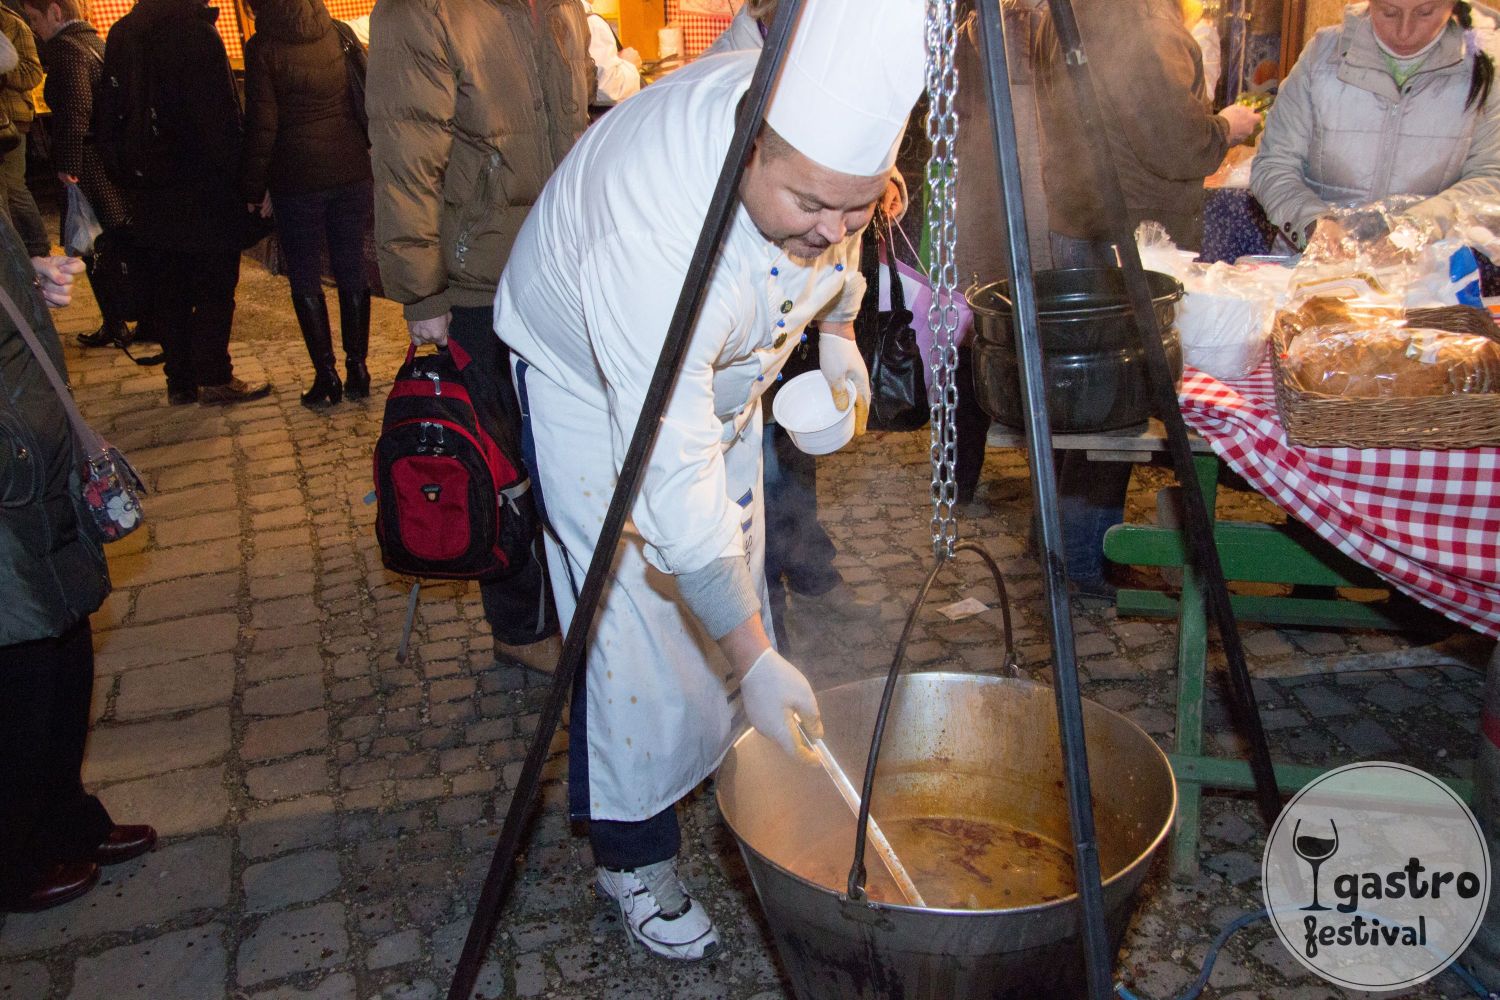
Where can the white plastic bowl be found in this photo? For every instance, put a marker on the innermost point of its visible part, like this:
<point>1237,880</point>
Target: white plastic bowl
<point>804,409</point>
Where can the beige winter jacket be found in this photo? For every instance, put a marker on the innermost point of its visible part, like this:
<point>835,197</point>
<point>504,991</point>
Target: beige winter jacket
<point>1340,133</point>
<point>472,104</point>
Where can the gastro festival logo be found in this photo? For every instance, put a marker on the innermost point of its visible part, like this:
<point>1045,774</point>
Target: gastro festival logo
<point>1376,876</point>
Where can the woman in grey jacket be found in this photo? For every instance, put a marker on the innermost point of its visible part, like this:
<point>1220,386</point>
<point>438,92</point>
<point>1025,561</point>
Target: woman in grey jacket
<point>1395,101</point>
<point>53,834</point>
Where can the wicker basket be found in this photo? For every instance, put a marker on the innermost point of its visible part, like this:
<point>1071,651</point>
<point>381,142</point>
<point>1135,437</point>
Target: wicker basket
<point>1318,420</point>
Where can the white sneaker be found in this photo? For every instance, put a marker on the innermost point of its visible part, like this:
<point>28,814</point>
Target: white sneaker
<point>658,911</point>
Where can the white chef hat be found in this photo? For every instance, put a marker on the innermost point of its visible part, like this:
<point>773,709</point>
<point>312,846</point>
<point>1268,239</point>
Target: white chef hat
<point>854,71</point>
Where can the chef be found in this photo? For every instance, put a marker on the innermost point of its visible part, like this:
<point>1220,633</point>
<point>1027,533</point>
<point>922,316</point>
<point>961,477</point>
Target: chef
<point>680,652</point>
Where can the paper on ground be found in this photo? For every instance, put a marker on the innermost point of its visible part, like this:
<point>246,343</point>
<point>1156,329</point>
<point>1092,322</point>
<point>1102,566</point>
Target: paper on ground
<point>966,608</point>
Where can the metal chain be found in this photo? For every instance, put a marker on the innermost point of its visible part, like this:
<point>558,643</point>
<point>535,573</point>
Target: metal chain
<point>942,313</point>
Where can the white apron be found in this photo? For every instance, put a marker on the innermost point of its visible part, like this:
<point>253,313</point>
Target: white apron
<point>660,710</point>
<point>584,305</point>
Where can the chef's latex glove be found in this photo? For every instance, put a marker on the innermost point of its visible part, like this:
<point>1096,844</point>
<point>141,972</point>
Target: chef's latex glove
<point>841,362</point>
<point>776,696</point>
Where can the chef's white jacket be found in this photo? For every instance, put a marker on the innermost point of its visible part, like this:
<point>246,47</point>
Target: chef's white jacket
<point>584,303</point>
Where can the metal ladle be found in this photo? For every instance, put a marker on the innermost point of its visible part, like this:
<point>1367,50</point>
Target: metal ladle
<point>877,839</point>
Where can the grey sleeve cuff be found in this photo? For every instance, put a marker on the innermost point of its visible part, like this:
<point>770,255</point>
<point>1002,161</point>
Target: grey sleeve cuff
<point>721,594</point>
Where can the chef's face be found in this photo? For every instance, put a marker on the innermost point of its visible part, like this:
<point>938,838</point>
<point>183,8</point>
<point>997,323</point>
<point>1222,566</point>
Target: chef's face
<point>803,207</point>
<point>1406,26</point>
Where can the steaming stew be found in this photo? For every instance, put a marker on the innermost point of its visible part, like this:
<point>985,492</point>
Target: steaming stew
<point>957,863</point>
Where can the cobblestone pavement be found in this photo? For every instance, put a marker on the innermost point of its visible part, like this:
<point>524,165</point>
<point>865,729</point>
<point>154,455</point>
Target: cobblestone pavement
<point>327,813</point>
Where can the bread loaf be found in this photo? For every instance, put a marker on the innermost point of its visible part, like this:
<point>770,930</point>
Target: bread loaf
<point>1388,360</point>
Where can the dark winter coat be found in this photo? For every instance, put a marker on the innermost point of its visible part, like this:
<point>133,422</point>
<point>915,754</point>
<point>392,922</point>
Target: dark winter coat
<point>17,85</point>
<point>195,205</point>
<point>473,103</point>
<point>300,131</point>
<point>50,559</point>
<point>74,58</point>
<point>1160,129</point>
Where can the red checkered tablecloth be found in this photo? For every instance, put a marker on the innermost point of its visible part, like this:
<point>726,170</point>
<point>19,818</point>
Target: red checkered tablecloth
<point>699,30</point>
<point>1426,521</point>
<point>104,13</point>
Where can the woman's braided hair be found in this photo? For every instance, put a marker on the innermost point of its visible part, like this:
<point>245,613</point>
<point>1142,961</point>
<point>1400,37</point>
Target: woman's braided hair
<point>1484,66</point>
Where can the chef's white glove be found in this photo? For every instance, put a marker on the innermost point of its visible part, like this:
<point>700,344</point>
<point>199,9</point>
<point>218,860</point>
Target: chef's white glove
<point>841,362</point>
<point>776,696</point>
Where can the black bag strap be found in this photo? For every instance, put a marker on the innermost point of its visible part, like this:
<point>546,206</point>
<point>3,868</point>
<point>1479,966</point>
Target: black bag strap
<point>898,291</point>
<point>88,439</point>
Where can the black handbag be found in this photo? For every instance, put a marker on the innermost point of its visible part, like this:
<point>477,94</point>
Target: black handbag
<point>114,274</point>
<point>898,385</point>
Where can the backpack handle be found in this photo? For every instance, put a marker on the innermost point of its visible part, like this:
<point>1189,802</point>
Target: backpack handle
<point>461,357</point>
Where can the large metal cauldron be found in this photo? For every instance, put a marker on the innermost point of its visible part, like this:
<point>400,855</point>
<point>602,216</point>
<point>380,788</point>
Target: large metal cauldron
<point>1092,357</point>
<point>961,746</point>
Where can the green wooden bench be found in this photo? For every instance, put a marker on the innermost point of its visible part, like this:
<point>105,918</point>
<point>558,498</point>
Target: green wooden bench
<point>1261,553</point>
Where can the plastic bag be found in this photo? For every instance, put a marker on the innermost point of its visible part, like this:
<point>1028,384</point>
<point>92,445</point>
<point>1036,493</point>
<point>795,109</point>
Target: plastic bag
<point>1379,255</point>
<point>1446,274</point>
<point>1379,235</point>
<point>82,225</point>
<point>1225,316</point>
<point>1477,224</point>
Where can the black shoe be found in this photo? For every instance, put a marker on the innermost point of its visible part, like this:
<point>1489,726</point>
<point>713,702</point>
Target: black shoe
<point>326,390</point>
<point>354,331</point>
<point>312,316</point>
<point>181,396</point>
<point>357,379</point>
<point>106,336</point>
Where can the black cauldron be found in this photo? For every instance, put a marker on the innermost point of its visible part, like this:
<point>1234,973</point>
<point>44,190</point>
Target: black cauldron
<point>1093,362</point>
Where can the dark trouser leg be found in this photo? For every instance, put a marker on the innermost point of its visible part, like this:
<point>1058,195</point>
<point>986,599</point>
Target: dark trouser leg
<point>519,608</point>
<point>796,544</point>
<point>972,426</point>
<point>169,312</point>
<point>45,689</point>
<point>20,206</point>
<point>213,283</point>
<point>1090,500</point>
<point>624,846</point>
<point>299,227</point>
<point>347,221</point>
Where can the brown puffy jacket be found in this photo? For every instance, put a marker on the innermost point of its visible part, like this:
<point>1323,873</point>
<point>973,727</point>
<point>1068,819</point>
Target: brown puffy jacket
<point>472,104</point>
<point>1162,134</point>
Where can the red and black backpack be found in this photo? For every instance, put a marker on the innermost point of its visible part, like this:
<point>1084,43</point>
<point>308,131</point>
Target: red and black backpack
<point>453,499</point>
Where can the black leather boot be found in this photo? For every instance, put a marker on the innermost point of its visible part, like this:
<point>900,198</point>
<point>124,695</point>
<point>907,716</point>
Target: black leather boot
<point>354,327</point>
<point>312,316</point>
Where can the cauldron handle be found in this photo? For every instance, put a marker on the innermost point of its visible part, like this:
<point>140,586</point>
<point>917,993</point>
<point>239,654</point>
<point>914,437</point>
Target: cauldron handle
<point>856,883</point>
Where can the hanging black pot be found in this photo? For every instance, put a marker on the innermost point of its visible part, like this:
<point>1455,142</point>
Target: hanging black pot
<point>1094,364</point>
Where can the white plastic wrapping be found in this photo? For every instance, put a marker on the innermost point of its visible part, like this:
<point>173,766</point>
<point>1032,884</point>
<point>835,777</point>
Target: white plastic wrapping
<point>1224,318</point>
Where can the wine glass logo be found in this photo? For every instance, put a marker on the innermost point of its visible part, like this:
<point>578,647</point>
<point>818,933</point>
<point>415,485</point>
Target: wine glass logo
<point>1315,850</point>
